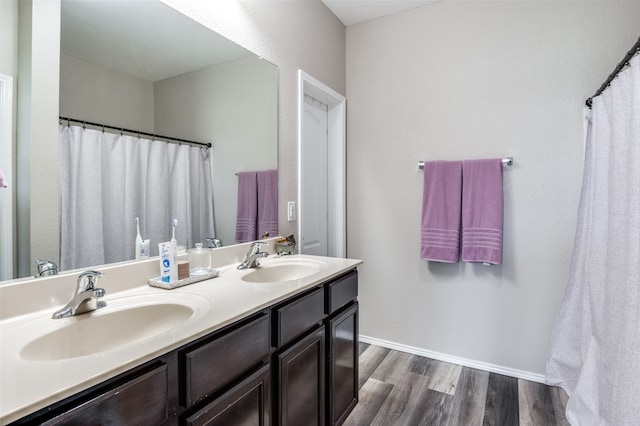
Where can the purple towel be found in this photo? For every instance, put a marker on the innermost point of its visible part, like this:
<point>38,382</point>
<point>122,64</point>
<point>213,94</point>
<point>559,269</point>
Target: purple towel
<point>247,213</point>
<point>441,211</point>
<point>268,203</point>
<point>482,211</point>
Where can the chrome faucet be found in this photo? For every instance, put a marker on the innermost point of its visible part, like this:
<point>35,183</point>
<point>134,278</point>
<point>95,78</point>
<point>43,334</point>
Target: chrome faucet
<point>213,242</point>
<point>86,296</point>
<point>252,259</point>
<point>46,267</point>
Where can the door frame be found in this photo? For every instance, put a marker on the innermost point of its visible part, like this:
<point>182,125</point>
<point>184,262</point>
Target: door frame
<point>7,246</point>
<point>336,160</point>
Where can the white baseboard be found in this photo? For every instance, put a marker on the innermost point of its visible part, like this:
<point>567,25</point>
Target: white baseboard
<point>519,374</point>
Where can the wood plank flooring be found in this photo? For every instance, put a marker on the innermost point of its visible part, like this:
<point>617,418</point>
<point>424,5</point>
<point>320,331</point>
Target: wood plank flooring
<point>401,389</point>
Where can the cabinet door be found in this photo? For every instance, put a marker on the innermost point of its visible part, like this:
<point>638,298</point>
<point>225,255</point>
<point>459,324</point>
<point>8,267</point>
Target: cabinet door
<point>343,365</point>
<point>139,401</point>
<point>301,382</point>
<point>247,403</point>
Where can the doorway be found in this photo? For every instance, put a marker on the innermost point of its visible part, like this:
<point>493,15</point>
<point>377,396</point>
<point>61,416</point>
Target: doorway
<point>322,168</point>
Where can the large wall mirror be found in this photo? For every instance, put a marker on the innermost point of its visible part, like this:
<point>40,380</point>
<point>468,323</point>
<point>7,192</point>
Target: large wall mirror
<point>145,66</point>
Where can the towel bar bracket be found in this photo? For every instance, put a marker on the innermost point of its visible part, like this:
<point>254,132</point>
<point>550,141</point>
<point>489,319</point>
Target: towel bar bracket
<point>508,161</point>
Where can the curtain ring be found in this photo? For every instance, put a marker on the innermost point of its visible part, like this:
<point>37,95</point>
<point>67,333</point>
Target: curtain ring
<point>103,128</point>
<point>121,130</point>
<point>84,125</point>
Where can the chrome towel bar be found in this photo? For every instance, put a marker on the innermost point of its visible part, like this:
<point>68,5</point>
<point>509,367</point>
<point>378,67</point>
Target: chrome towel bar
<point>508,161</point>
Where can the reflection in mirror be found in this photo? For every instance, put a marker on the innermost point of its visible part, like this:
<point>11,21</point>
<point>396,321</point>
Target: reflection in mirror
<point>175,78</point>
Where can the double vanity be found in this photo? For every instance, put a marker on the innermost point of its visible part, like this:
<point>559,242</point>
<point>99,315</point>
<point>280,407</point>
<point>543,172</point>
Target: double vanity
<point>276,344</point>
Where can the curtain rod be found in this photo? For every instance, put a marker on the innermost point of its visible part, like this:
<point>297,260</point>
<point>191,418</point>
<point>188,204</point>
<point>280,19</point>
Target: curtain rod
<point>625,62</point>
<point>169,139</point>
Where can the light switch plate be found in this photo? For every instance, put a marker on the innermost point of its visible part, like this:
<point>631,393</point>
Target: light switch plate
<point>291,211</point>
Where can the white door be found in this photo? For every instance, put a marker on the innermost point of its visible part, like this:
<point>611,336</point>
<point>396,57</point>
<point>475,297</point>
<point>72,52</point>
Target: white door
<point>314,200</point>
<point>322,225</point>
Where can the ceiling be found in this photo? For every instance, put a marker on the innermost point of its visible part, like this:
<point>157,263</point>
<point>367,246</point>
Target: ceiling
<point>355,11</point>
<point>117,34</point>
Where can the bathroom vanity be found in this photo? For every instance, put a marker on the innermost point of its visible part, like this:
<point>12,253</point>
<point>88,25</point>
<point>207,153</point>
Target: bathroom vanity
<point>274,345</point>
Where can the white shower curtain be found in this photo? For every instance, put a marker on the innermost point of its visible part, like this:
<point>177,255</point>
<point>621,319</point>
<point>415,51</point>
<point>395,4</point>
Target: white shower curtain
<point>595,347</point>
<point>107,179</point>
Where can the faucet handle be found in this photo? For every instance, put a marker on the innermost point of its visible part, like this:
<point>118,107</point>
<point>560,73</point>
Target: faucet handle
<point>255,246</point>
<point>87,280</point>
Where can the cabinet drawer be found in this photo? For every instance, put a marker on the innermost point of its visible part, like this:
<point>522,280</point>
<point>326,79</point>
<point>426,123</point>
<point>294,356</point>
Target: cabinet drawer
<point>141,400</point>
<point>342,291</point>
<point>247,403</point>
<point>215,363</point>
<point>298,316</point>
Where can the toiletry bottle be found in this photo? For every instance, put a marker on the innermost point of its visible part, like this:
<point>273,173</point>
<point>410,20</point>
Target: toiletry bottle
<point>168,266</point>
<point>167,262</point>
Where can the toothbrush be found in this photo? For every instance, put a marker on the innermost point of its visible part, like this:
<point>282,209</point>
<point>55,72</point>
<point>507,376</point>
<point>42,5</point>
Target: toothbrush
<point>173,235</point>
<point>138,240</point>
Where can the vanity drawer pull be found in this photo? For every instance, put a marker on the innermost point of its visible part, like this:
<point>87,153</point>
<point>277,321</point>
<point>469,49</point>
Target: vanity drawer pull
<point>216,363</point>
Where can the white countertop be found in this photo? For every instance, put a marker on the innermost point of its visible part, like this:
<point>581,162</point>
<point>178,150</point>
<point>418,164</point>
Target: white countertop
<point>27,385</point>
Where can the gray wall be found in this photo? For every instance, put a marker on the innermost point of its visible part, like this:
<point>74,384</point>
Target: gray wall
<point>101,95</point>
<point>464,80</point>
<point>235,109</point>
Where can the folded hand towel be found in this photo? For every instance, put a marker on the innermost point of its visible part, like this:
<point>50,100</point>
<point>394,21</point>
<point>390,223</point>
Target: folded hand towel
<point>247,213</point>
<point>268,202</point>
<point>482,211</point>
<point>441,211</point>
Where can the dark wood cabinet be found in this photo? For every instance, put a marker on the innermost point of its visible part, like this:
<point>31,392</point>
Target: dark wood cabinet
<point>294,363</point>
<point>301,381</point>
<point>342,370</point>
<point>140,398</point>
<point>245,404</point>
<point>213,362</point>
<point>316,378</point>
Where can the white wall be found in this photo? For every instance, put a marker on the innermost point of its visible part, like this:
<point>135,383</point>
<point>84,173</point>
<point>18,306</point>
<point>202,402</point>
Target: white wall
<point>101,95</point>
<point>235,109</point>
<point>464,80</point>
<point>37,133</point>
<point>9,37</point>
<point>8,67</point>
<point>292,35</point>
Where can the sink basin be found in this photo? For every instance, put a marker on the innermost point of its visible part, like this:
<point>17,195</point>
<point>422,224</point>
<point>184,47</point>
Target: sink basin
<point>280,271</point>
<point>120,323</point>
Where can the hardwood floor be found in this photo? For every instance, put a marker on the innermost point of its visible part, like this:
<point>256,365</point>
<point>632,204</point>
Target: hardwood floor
<point>397,388</point>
